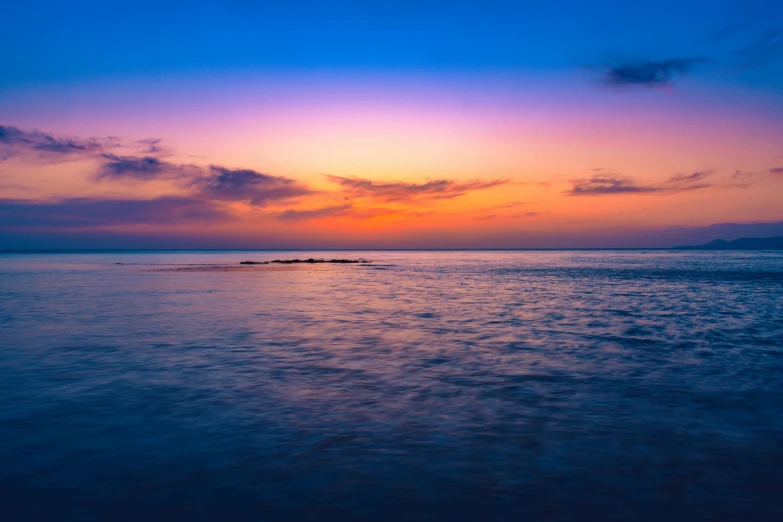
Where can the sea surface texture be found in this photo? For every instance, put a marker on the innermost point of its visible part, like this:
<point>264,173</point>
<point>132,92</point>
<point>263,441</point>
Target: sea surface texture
<point>454,386</point>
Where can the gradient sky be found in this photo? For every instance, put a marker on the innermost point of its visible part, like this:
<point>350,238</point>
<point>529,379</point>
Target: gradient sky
<point>424,124</point>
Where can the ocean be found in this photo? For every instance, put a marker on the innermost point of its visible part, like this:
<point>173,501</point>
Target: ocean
<point>461,385</point>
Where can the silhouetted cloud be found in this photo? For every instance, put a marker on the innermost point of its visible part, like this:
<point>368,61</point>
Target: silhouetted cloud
<point>93,212</point>
<point>144,168</point>
<point>152,146</point>
<point>686,179</point>
<point>606,184</point>
<point>646,73</point>
<point>528,214</point>
<point>609,183</point>
<point>776,170</point>
<point>226,184</point>
<point>14,140</point>
<point>485,218</point>
<point>402,191</point>
<point>302,215</point>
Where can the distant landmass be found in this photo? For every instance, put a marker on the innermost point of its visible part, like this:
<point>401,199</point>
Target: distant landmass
<point>743,243</point>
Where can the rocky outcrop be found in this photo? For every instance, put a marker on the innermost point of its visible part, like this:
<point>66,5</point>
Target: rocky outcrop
<point>310,260</point>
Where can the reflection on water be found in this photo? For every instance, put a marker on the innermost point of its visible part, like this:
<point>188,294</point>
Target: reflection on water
<point>427,386</point>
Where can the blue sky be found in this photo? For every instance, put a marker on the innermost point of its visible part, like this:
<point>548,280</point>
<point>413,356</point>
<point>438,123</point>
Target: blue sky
<point>51,41</point>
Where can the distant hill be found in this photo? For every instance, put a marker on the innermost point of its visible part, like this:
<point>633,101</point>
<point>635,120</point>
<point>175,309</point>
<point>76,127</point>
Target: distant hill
<point>744,243</point>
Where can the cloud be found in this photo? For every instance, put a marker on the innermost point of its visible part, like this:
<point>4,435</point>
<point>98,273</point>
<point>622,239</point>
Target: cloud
<point>93,212</point>
<point>650,74</point>
<point>226,184</point>
<point>607,183</point>
<point>604,184</point>
<point>152,146</point>
<point>689,178</point>
<point>485,218</point>
<point>776,170</point>
<point>14,140</point>
<point>514,204</point>
<point>397,191</point>
<point>742,174</point>
<point>144,168</point>
<point>528,214</point>
<point>302,215</point>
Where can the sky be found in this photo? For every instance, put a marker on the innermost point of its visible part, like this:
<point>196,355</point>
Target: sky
<point>425,124</point>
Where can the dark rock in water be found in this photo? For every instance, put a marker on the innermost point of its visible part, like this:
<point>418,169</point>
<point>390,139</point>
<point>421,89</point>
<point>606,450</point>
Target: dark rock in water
<point>309,260</point>
<point>744,243</point>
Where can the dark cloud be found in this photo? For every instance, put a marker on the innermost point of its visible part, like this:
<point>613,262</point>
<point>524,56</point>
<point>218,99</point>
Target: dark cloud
<point>646,73</point>
<point>776,170</point>
<point>401,191</point>
<point>607,183</point>
<point>14,140</point>
<point>226,184</point>
<point>485,218</point>
<point>604,184</point>
<point>527,214</point>
<point>144,168</point>
<point>92,212</point>
<point>302,215</point>
<point>686,179</point>
<point>152,146</point>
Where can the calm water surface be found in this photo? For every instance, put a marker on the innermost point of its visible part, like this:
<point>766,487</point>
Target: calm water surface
<point>473,386</point>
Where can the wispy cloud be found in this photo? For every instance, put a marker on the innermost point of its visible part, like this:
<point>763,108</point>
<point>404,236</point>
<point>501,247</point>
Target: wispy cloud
<point>94,212</point>
<point>399,191</point>
<point>514,204</point>
<point>608,183</point>
<point>776,170</point>
<point>152,146</point>
<point>302,215</point>
<point>646,73</point>
<point>226,184</point>
<point>14,141</point>
<point>604,184</point>
<point>145,168</point>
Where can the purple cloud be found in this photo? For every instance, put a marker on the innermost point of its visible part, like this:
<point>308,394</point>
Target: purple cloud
<point>226,184</point>
<point>144,168</point>
<point>402,191</point>
<point>608,184</point>
<point>646,73</point>
<point>93,212</point>
<point>14,140</point>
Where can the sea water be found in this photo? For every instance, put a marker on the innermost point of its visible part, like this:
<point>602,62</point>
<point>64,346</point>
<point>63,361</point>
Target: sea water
<point>520,385</point>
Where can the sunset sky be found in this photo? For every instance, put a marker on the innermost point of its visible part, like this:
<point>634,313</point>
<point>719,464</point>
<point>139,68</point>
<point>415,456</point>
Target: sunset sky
<point>426,124</point>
